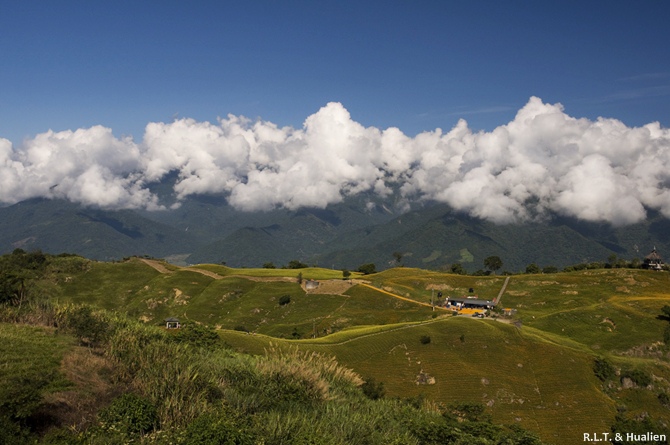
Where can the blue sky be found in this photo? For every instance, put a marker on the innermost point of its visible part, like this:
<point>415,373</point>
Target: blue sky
<point>413,65</point>
<point>567,104</point>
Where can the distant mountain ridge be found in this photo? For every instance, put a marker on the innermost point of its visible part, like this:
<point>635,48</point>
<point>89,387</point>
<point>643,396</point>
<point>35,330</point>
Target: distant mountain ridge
<point>358,230</point>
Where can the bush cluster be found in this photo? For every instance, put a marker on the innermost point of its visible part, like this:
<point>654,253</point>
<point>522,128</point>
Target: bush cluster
<point>130,414</point>
<point>638,376</point>
<point>284,300</point>
<point>603,369</point>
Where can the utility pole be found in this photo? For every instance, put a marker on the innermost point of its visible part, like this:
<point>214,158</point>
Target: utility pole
<point>432,301</point>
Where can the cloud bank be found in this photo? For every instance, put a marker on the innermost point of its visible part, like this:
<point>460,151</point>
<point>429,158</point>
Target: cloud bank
<point>542,162</point>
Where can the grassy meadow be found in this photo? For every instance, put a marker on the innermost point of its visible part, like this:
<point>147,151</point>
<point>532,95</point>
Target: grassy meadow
<point>534,369</point>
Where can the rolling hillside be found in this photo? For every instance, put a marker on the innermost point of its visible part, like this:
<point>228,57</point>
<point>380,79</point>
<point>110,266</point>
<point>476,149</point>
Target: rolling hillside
<point>535,369</point>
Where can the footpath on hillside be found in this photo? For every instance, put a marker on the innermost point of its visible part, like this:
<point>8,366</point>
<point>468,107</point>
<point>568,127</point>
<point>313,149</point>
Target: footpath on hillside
<point>160,267</point>
<point>502,291</point>
<point>400,297</point>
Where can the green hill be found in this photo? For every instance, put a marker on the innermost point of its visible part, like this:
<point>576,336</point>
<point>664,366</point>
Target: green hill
<point>541,368</point>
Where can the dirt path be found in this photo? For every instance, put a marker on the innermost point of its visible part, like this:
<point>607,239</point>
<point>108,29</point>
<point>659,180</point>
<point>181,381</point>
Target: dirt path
<point>214,275</point>
<point>160,267</point>
<point>332,287</point>
<point>156,265</point>
<point>502,291</point>
<point>336,287</point>
<point>252,278</point>
<point>400,297</point>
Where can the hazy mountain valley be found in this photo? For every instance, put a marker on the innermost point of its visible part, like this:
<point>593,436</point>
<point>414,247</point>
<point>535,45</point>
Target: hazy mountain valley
<point>342,236</point>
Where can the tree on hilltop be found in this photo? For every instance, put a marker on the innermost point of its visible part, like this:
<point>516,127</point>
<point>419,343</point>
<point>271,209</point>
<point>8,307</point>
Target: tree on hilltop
<point>493,263</point>
<point>398,258</point>
<point>367,269</point>
<point>457,268</point>
<point>295,264</point>
<point>533,268</point>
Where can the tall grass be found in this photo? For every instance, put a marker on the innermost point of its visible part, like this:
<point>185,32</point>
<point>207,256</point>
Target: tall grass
<point>170,374</point>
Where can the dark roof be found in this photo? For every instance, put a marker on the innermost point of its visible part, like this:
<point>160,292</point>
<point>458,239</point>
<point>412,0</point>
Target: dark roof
<point>653,256</point>
<point>172,320</point>
<point>472,301</point>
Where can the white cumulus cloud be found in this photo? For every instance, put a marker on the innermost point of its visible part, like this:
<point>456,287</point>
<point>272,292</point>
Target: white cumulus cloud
<point>542,162</point>
<point>88,166</point>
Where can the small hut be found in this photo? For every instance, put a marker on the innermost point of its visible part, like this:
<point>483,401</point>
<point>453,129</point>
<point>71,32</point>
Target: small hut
<point>172,323</point>
<point>311,284</point>
<point>653,261</point>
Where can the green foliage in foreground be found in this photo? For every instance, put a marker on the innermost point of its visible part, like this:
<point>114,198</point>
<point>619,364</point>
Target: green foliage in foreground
<point>531,376</point>
<point>199,393</point>
<point>130,414</point>
<point>29,360</point>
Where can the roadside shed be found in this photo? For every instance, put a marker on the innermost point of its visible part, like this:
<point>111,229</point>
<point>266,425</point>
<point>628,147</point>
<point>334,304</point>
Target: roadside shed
<point>311,284</point>
<point>172,323</point>
<point>653,261</point>
<point>469,303</point>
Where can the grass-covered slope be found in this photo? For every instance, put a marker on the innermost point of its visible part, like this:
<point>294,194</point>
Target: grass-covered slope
<point>520,379</point>
<point>142,384</point>
<point>604,310</point>
<point>535,369</point>
<point>231,300</point>
<point>538,372</point>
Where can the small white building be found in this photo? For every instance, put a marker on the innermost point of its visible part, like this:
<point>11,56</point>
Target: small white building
<point>653,261</point>
<point>172,323</point>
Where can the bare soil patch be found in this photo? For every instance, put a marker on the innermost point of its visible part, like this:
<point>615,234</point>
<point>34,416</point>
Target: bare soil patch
<point>331,287</point>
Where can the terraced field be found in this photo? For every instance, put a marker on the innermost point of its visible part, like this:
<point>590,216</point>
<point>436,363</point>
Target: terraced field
<point>535,369</point>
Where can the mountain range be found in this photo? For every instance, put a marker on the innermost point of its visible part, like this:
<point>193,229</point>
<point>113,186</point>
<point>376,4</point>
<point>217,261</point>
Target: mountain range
<point>361,229</point>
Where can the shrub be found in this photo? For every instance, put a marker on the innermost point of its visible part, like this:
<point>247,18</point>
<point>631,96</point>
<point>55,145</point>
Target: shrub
<point>21,395</point>
<point>533,268</point>
<point>372,389</point>
<point>11,432</point>
<point>197,335</point>
<point>457,268</point>
<point>473,412</point>
<point>295,264</point>
<point>367,269</point>
<point>425,339</point>
<point>131,414</point>
<point>89,328</point>
<point>638,376</point>
<point>432,429</point>
<point>284,300</point>
<point>603,369</point>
